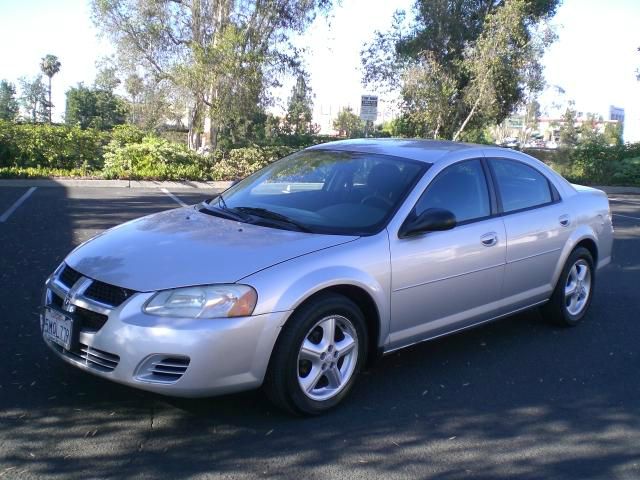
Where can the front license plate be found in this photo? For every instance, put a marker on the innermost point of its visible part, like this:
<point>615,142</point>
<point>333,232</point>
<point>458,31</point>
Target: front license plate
<point>58,328</point>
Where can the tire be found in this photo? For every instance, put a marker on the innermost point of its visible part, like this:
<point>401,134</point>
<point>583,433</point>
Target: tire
<point>326,373</point>
<point>567,309</point>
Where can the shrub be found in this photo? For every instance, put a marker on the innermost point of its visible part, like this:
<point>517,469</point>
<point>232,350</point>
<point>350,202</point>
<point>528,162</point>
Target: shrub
<point>154,158</point>
<point>627,172</point>
<point>43,172</point>
<point>241,162</point>
<point>50,146</point>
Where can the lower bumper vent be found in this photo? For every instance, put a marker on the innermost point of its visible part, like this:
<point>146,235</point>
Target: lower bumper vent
<point>163,368</point>
<point>90,357</point>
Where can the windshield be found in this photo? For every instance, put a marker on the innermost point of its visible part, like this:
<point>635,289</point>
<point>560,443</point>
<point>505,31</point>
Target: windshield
<point>324,191</point>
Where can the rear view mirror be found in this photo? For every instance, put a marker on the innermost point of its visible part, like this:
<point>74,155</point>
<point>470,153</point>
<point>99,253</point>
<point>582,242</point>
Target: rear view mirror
<point>431,220</point>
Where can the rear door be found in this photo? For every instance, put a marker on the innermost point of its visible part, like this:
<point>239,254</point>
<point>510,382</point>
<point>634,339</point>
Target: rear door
<point>537,224</point>
<point>445,280</point>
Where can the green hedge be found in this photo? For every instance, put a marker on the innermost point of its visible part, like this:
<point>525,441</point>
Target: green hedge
<point>30,151</point>
<point>595,163</point>
<point>158,159</point>
<point>50,146</point>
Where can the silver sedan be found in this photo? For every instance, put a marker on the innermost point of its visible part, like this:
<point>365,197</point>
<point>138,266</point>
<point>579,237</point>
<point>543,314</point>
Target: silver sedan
<point>297,276</point>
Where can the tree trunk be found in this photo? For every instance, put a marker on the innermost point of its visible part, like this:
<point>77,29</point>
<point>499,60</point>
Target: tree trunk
<point>466,120</point>
<point>50,105</point>
<point>193,137</point>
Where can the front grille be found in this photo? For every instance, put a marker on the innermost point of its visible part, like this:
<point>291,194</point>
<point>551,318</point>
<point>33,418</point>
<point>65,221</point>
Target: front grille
<point>57,300</point>
<point>69,276</point>
<point>107,294</point>
<point>163,369</point>
<point>86,320</point>
<point>91,357</point>
<point>89,321</point>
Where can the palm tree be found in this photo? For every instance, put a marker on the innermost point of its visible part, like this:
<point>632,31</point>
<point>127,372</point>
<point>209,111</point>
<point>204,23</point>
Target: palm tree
<point>50,65</point>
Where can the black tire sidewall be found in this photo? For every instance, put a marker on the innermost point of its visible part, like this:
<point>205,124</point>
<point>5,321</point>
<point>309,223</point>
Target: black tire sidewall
<point>578,254</point>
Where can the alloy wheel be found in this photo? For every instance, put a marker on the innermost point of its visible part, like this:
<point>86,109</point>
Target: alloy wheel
<point>578,287</point>
<point>327,357</point>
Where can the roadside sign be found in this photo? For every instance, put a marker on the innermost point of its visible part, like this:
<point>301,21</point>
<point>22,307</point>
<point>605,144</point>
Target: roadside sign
<point>369,108</point>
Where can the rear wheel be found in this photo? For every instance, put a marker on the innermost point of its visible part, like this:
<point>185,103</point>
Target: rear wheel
<point>318,355</point>
<point>573,293</point>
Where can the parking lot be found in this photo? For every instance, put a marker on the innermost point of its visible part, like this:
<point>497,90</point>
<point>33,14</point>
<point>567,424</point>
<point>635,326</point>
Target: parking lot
<point>517,398</point>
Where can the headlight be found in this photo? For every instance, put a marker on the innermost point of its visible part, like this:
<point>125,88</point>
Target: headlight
<point>208,301</point>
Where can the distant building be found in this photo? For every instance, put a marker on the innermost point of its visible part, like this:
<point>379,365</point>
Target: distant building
<point>616,113</point>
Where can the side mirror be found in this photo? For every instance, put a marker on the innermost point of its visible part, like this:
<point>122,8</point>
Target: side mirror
<point>431,220</point>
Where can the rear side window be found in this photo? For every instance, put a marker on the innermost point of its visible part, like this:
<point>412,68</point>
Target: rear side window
<point>460,188</point>
<point>520,185</point>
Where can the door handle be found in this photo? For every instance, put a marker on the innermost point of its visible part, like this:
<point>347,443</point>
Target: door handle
<point>489,239</point>
<point>564,220</point>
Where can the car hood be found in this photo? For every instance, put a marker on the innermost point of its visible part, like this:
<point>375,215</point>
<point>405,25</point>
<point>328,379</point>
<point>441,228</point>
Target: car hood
<point>185,247</point>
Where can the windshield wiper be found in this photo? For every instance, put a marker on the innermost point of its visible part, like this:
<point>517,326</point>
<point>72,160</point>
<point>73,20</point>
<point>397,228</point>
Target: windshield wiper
<point>269,215</point>
<point>222,210</point>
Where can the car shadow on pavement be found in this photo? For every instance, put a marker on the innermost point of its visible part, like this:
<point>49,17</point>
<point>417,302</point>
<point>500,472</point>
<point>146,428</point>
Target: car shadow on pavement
<point>516,398</point>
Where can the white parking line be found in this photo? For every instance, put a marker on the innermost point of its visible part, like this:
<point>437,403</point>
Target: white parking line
<point>176,199</point>
<point>625,216</point>
<point>5,216</point>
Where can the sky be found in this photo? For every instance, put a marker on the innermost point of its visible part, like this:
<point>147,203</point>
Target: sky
<point>593,60</point>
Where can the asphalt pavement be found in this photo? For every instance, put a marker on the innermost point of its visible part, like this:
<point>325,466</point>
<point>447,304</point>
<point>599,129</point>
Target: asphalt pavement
<point>518,398</point>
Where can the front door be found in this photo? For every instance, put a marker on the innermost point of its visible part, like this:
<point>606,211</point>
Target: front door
<point>442,281</point>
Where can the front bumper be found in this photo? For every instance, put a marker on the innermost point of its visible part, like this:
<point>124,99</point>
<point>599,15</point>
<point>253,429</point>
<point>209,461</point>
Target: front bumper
<point>176,356</point>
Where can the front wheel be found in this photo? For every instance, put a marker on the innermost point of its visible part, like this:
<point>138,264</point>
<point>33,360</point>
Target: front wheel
<point>318,355</point>
<point>573,293</point>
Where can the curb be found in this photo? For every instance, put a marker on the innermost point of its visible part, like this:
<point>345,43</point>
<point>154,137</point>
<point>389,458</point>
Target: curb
<point>47,182</point>
<point>619,190</point>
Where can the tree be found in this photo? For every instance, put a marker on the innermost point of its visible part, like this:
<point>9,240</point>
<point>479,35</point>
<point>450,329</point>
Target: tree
<point>33,98</point>
<point>568,130</point>
<point>50,65</point>
<point>612,134</point>
<point>300,109</point>
<point>221,55</point>
<point>588,131</point>
<point>530,121</point>
<point>90,107</point>
<point>348,124</point>
<point>461,64</point>
<point>134,85</point>
<point>8,104</point>
<point>107,77</point>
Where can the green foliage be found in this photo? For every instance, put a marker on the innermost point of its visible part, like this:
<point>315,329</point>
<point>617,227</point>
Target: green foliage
<point>45,172</point>
<point>93,108</point>
<point>221,58</point>
<point>156,158</point>
<point>8,104</point>
<point>612,134</point>
<point>299,110</point>
<point>50,146</point>
<point>463,64</point>
<point>34,98</point>
<point>595,163</point>
<point>348,124</point>
<point>568,130</point>
<point>153,157</point>
<point>240,162</point>
<point>50,65</point>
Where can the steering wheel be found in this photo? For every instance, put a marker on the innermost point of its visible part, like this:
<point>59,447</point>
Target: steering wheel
<point>377,201</point>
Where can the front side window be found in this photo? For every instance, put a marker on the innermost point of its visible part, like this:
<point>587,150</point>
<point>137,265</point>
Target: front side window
<point>324,191</point>
<point>460,188</point>
<point>520,185</point>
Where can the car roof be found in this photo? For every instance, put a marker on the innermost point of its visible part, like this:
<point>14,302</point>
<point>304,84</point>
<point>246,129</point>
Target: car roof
<point>429,151</point>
